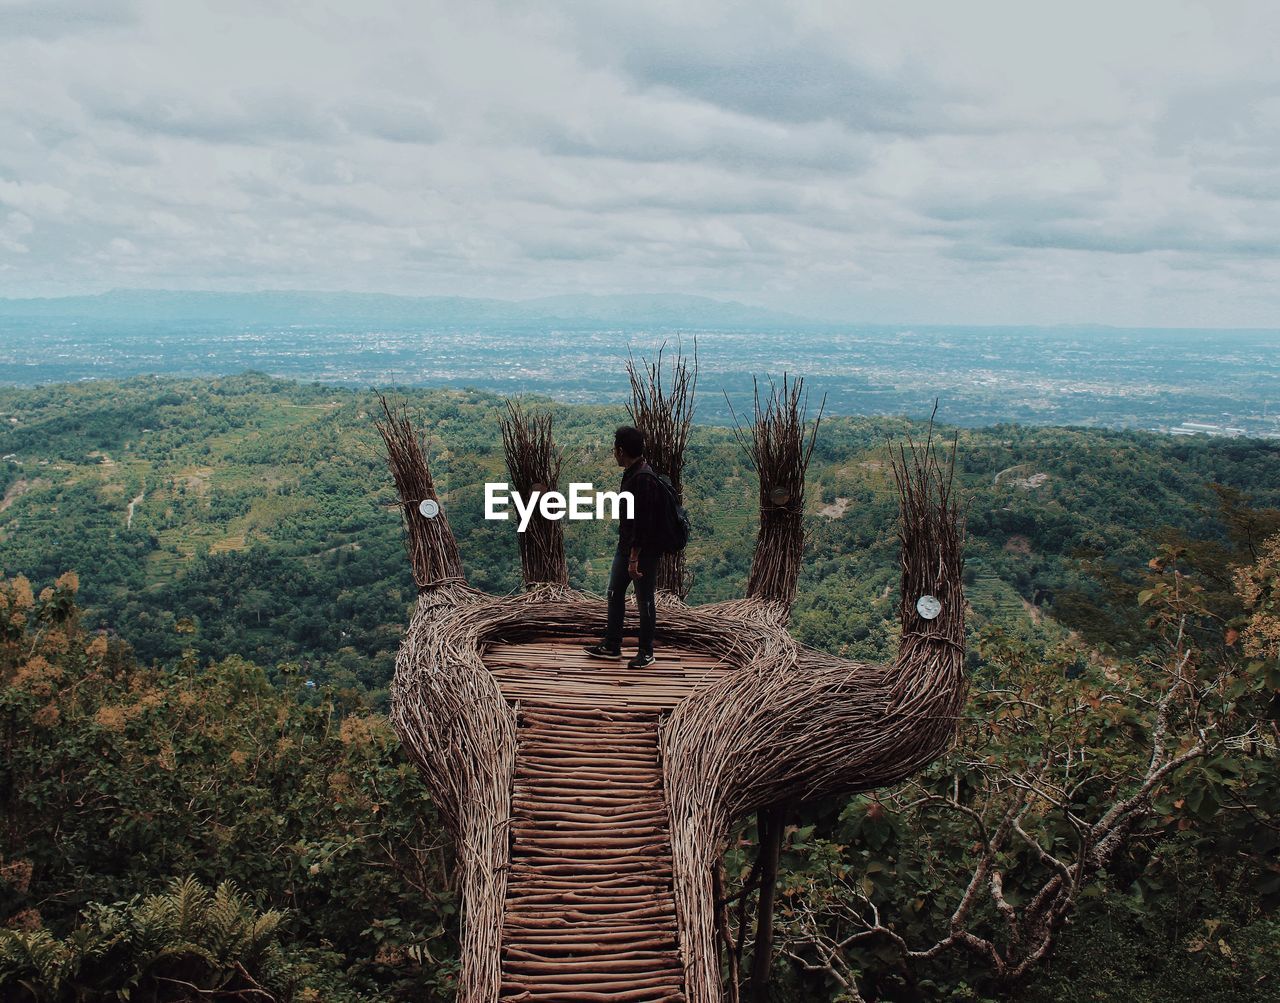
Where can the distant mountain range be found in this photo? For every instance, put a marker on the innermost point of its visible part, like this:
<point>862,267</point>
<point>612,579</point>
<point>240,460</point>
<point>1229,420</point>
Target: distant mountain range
<point>290,307</point>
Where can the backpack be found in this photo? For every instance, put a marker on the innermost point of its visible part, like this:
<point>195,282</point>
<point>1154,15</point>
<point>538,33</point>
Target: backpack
<point>672,525</point>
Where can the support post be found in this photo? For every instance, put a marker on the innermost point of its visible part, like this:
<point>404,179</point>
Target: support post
<point>769,829</point>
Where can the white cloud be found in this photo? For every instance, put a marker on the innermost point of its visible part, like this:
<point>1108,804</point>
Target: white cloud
<point>50,19</point>
<point>987,161</point>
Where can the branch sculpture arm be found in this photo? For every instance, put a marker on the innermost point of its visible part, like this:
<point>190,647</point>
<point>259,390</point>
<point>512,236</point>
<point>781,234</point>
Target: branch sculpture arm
<point>796,724</point>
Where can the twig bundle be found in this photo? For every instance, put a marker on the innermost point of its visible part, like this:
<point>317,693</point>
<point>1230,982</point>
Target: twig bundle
<point>533,463</point>
<point>664,417</point>
<point>931,555</point>
<point>433,551</point>
<point>777,450</point>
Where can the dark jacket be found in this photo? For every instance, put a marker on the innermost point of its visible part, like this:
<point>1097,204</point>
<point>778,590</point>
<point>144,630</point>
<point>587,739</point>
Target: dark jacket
<point>639,531</point>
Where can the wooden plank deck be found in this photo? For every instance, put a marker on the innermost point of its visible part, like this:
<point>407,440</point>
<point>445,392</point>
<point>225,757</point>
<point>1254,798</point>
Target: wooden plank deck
<point>590,912</point>
<point>559,671</point>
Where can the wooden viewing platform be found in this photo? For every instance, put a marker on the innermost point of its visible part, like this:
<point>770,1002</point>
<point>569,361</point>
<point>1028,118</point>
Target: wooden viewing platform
<point>590,804</point>
<point>558,671</point>
<point>590,908</point>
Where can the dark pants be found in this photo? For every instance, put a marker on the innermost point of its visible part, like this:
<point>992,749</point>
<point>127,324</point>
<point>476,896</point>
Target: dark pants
<point>617,595</point>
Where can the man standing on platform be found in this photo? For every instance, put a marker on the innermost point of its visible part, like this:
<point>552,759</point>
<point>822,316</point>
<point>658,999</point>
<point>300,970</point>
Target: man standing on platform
<point>636,559</point>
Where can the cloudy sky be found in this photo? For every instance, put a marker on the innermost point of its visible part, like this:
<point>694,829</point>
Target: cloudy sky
<point>976,162</point>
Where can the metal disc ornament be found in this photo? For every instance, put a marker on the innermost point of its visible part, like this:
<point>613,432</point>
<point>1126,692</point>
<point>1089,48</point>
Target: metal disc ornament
<point>429,507</point>
<point>928,607</point>
<point>780,496</point>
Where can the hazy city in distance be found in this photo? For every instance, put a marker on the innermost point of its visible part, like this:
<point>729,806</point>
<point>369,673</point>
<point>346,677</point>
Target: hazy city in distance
<point>574,349</point>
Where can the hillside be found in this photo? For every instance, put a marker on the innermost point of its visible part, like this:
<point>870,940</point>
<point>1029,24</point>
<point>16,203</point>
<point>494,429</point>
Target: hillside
<point>247,516</point>
<point>254,516</point>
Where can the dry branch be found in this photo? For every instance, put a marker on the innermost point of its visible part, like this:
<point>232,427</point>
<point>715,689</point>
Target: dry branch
<point>533,463</point>
<point>664,417</point>
<point>433,551</point>
<point>777,450</point>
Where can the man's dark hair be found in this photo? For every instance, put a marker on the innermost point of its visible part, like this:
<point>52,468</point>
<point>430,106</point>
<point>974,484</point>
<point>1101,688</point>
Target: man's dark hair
<point>630,439</point>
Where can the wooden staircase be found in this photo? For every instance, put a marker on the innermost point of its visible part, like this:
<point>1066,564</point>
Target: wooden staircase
<point>590,915</point>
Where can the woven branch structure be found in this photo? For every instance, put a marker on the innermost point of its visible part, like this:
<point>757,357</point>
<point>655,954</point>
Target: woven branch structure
<point>433,551</point>
<point>787,723</point>
<point>777,450</point>
<point>664,416</point>
<point>534,465</point>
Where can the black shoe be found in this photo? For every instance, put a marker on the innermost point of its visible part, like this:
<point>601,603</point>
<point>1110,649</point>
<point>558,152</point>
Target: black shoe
<point>642,660</point>
<point>600,651</point>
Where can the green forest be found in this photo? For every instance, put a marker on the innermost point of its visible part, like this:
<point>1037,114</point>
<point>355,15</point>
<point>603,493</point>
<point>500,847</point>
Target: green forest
<point>204,587</point>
